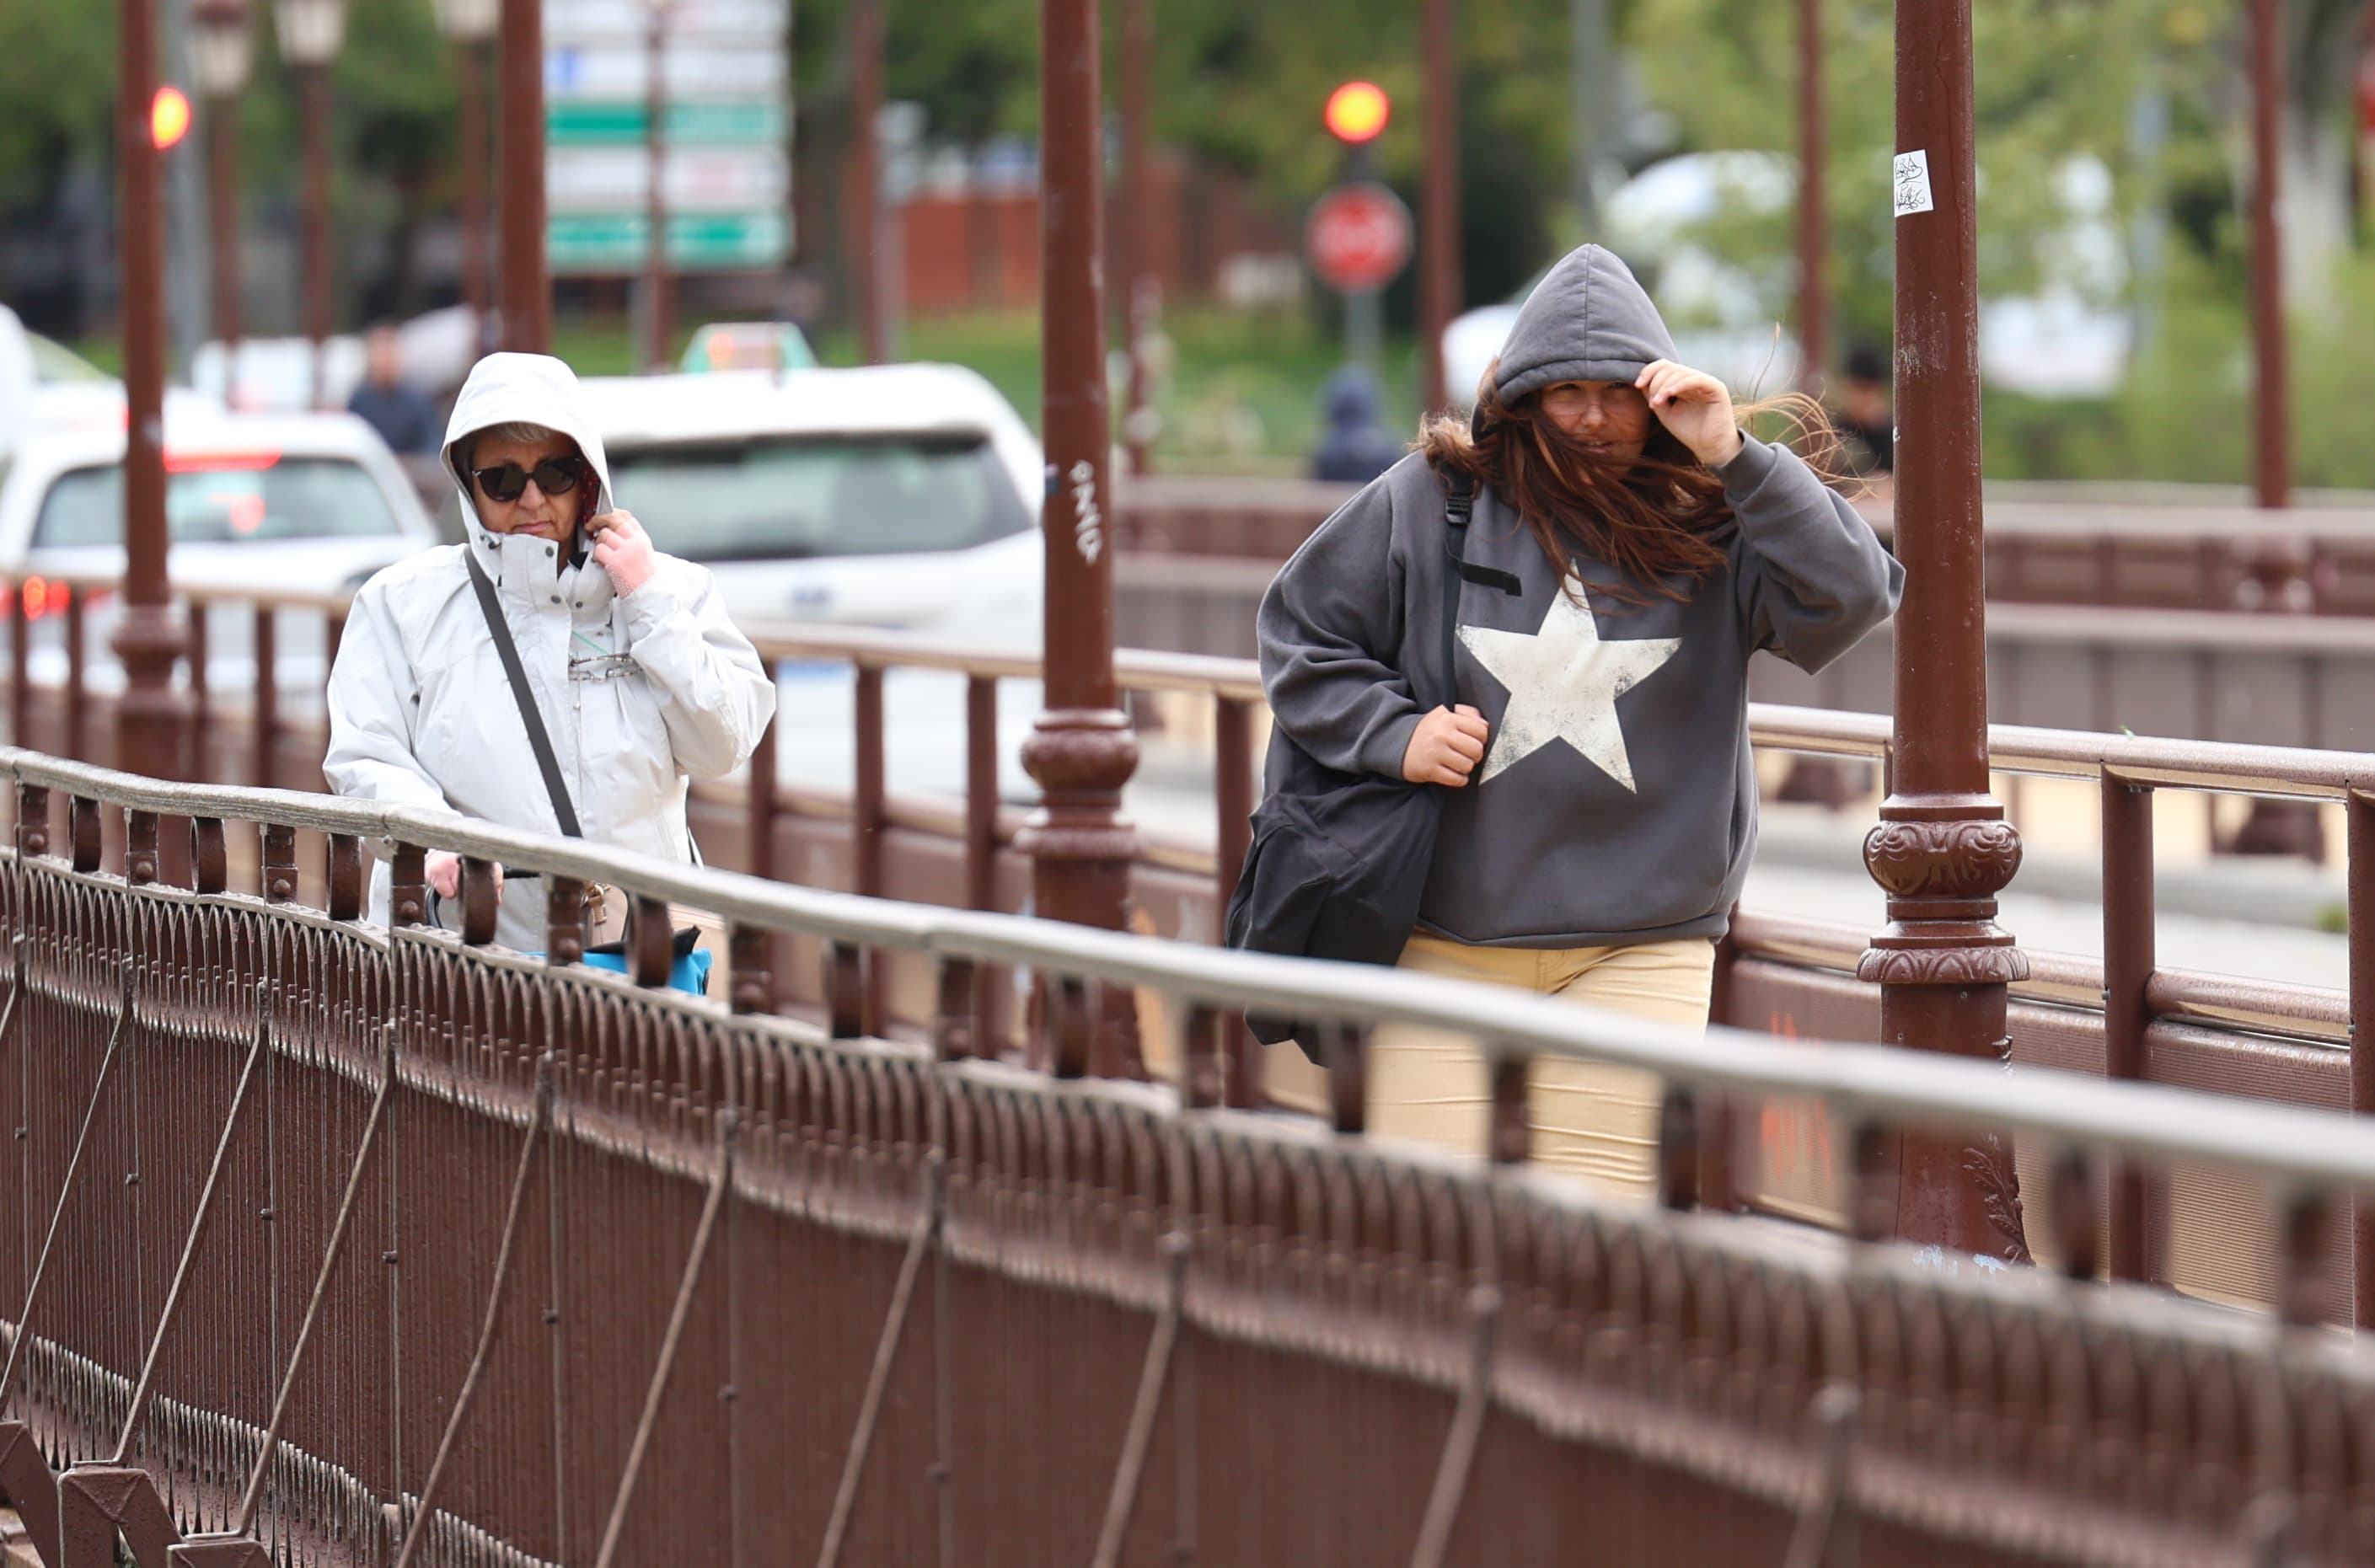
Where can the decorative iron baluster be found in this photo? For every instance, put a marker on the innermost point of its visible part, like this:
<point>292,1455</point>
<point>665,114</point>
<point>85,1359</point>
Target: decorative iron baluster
<point>869,1409</point>
<point>1826,1535</point>
<point>67,1186</point>
<point>1467,1432</point>
<point>1123,1499</point>
<point>497,1290</point>
<point>166,1317</point>
<point>720,1185</point>
<point>244,1520</point>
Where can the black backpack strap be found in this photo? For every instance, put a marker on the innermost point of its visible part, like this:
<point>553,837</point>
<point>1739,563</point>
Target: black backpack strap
<point>1459,503</point>
<point>538,741</point>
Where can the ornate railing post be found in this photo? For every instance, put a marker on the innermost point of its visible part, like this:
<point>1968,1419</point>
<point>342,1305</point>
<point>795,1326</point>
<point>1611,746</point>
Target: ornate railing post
<point>1082,751</point>
<point>1943,848</point>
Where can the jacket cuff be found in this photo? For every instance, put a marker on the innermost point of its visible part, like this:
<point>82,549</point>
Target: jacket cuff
<point>1384,750</point>
<point>650,604</point>
<point>1749,468</point>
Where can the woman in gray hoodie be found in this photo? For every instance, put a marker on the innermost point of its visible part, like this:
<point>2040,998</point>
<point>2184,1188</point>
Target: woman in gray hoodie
<point>1631,550</point>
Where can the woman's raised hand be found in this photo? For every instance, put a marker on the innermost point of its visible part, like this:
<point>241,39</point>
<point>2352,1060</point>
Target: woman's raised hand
<point>1696,407</point>
<point>1446,747</point>
<point>622,548</point>
<point>444,872</point>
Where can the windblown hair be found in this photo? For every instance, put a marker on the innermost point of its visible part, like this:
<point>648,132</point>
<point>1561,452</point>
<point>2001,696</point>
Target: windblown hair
<point>1650,519</point>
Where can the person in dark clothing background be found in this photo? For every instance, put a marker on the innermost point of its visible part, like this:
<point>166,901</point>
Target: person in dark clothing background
<point>1864,416</point>
<point>399,411</point>
<point>1356,448</point>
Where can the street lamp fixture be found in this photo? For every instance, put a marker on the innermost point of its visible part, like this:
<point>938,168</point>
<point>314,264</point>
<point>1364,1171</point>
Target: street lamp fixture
<point>224,46</point>
<point>468,21</point>
<point>310,30</point>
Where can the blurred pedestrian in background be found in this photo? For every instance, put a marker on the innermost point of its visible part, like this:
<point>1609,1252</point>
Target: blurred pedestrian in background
<point>1865,415</point>
<point>398,411</point>
<point>1357,448</point>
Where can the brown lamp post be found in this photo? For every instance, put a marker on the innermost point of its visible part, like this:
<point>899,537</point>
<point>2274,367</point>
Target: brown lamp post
<point>1814,298</point>
<point>2272,472</point>
<point>224,53</point>
<point>2277,567</point>
<point>310,34</point>
<point>1941,849</point>
<point>1081,750</point>
<point>657,330</point>
<point>526,289</point>
<point>152,718</point>
<point>1438,279</point>
<point>862,182</point>
<point>1141,302</point>
<point>468,26</point>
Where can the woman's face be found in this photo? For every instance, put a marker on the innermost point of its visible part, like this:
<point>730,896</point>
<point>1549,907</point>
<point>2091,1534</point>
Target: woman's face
<point>1610,417</point>
<point>533,512</point>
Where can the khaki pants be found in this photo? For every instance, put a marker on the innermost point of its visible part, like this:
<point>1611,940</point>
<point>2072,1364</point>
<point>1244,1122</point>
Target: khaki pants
<point>1595,1121</point>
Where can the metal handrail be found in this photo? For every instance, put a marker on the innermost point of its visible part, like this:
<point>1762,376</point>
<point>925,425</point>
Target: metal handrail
<point>2293,1145</point>
<point>2227,767</point>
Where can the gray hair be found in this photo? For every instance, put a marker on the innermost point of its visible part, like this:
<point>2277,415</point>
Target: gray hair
<point>466,451</point>
<point>514,430</point>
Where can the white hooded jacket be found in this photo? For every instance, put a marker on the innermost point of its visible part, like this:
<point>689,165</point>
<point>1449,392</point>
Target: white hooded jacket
<point>637,692</point>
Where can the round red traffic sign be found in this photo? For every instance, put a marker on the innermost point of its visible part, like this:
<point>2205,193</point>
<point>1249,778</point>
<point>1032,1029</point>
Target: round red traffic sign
<point>1358,236</point>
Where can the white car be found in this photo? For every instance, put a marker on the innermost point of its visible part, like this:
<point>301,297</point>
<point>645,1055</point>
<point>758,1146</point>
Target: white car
<point>900,497</point>
<point>312,502</point>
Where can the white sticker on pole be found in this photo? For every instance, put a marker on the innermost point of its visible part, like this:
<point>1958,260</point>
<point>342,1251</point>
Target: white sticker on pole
<point>1913,182</point>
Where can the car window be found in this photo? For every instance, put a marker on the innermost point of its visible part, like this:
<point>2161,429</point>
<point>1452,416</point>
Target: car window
<point>222,500</point>
<point>54,362</point>
<point>780,498</point>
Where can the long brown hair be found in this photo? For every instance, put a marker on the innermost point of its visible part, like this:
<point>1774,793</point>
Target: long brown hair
<point>1651,518</point>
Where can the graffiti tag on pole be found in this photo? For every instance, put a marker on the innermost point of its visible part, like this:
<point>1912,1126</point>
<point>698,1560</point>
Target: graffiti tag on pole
<point>1913,184</point>
<point>1088,523</point>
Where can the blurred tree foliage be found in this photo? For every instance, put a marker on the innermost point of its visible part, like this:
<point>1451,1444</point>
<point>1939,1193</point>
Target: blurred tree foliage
<point>393,90</point>
<point>2152,88</point>
<point>2053,81</point>
<point>57,78</point>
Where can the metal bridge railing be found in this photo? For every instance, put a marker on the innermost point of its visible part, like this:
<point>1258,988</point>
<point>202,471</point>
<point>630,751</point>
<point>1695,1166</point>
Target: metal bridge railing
<point>2127,1015</point>
<point>342,1244</point>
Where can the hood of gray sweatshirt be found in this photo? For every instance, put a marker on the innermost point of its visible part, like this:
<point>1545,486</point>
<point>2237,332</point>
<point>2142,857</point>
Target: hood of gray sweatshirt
<point>1616,802</point>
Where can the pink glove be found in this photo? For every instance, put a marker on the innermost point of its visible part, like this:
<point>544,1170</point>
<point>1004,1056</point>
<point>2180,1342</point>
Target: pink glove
<point>623,550</point>
<point>444,869</point>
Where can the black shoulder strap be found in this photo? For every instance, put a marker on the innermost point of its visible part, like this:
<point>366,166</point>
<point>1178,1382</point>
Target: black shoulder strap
<point>538,741</point>
<point>1458,504</point>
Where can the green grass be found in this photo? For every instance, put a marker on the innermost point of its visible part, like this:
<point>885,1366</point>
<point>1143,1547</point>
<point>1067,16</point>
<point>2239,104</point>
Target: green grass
<point>1239,393</point>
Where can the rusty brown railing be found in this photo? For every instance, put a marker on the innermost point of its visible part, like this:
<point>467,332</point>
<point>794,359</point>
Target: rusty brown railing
<point>2284,1043</point>
<point>338,1244</point>
<point>2170,546</point>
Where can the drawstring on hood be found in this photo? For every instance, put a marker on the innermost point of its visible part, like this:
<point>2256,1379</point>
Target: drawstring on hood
<point>529,389</point>
<point>1587,320</point>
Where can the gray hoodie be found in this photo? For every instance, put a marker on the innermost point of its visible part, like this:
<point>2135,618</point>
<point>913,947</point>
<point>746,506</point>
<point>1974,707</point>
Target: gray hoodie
<point>1616,803</point>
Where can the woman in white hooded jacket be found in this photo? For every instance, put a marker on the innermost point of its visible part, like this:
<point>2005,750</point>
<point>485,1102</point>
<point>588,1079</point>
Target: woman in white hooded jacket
<point>641,678</point>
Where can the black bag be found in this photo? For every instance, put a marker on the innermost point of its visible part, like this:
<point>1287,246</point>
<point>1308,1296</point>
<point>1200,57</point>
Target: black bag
<point>1338,861</point>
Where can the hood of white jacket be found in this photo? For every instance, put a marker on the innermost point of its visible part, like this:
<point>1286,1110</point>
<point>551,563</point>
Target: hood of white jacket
<point>534,389</point>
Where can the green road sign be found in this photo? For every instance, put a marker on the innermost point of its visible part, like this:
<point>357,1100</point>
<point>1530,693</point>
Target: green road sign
<point>604,124</point>
<point>613,242</point>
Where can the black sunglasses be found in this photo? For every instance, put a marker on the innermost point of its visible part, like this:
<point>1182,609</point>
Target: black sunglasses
<point>508,481</point>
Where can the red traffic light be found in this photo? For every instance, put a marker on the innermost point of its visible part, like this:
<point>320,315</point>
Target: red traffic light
<point>169,117</point>
<point>1356,111</point>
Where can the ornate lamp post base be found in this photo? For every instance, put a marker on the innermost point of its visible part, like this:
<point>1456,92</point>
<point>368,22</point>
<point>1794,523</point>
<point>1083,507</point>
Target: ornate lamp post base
<point>1081,849</point>
<point>1944,968</point>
